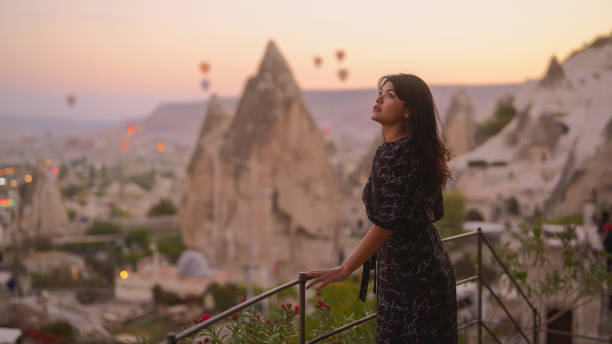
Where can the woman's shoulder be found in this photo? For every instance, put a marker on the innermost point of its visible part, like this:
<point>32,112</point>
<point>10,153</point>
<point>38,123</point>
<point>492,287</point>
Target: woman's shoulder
<point>398,151</point>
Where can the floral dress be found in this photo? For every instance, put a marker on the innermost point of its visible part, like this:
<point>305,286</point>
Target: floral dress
<point>416,296</point>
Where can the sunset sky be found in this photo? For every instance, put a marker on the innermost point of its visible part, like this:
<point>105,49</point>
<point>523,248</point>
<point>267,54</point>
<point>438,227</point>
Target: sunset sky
<point>122,58</point>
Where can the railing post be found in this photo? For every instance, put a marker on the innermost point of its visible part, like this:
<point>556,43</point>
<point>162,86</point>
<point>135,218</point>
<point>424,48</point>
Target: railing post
<point>479,285</point>
<point>171,338</point>
<point>535,326</point>
<point>302,301</point>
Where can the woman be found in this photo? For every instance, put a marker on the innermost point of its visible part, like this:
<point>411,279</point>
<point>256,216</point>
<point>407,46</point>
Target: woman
<point>416,298</point>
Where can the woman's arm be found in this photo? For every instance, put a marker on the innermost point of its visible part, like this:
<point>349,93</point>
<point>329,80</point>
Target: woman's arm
<point>371,242</point>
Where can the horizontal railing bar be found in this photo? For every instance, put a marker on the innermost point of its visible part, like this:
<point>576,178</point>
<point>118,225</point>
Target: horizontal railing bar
<point>469,279</point>
<point>491,332</point>
<point>583,336</point>
<point>459,236</point>
<point>194,329</point>
<point>468,324</point>
<point>518,327</point>
<point>508,273</point>
<point>342,328</point>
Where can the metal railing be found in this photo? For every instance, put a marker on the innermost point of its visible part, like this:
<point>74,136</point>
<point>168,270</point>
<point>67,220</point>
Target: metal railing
<point>172,338</point>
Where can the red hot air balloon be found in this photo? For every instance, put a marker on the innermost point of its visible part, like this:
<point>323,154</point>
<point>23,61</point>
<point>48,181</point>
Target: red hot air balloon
<point>204,67</point>
<point>340,55</point>
<point>343,74</point>
<point>71,99</point>
<point>318,61</point>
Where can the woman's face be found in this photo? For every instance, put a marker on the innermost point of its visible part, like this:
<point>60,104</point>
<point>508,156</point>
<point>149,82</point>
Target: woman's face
<point>388,108</point>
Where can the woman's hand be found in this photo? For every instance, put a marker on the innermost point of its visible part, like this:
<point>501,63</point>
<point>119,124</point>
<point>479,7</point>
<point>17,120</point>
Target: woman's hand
<point>371,243</point>
<point>327,276</point>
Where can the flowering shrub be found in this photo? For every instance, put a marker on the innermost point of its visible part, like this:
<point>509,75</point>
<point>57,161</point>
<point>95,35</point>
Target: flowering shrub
<point>250,326</point>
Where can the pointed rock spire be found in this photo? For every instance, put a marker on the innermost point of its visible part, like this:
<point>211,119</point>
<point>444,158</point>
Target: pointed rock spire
<point>41,209</point>
<point>197,214</point>
<point>459,123</point>
<point>268,97</point>
<point>272,182</point>
<point>555,76</point>
<point>217,118</point>
<point>216,122</point>
<point>274,63</point>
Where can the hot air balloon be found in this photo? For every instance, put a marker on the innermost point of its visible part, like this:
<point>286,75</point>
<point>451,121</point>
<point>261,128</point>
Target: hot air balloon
<point>340,55</point>
<point>342,74</point>
<point>205,84</point>
<point>130,128</point>
<point>204,67</point>
<point>317,61</point>
<point>71,99</point>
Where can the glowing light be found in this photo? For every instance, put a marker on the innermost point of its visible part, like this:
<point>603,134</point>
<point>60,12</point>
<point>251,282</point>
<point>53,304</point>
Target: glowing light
<point>2,181</point>
<point>74,272</point>
<point>161,147</point>
<point>13,183</point>
<point>54,170</point>
<point>6,202</point>
<point>130,128</point>
<point>10,170</point>
<point>123,274</point>
<point>124,143</point>
<point>28,178</point>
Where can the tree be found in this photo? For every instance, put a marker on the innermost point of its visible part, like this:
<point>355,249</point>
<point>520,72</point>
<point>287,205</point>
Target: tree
<point>454,215</point>
<point>572,274</point>
<point>163,207</point>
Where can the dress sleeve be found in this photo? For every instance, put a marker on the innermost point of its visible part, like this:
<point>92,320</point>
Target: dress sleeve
<point>393,201</point>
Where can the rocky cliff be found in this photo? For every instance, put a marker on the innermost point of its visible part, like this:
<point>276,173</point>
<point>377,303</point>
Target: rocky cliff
<point>41,210</point>
<point>551,143</point>
<point>201,184</point>
<point>276,187</point>
<point>459,124</point>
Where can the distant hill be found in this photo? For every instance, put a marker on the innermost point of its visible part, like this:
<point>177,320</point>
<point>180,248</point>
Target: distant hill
<point>343,110</point>
<point>38,125</point>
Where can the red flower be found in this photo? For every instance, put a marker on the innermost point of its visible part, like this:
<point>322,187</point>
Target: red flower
<point>320,303</point>
<point>243,298</point>
<point>297,308</point>
<point>205,317</point>
<point>235,317</point>
<point>206,340</point>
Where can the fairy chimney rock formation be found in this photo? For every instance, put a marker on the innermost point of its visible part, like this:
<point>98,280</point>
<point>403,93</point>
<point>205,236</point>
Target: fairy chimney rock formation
<point>41,210</point>
<point>277,193</point>
<point>197,211</point>
<point>459,124</point>
<point>555,77</point>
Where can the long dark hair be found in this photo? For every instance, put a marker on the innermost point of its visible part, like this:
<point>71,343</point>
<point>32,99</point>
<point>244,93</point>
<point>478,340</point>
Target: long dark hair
<point>422,127</point>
